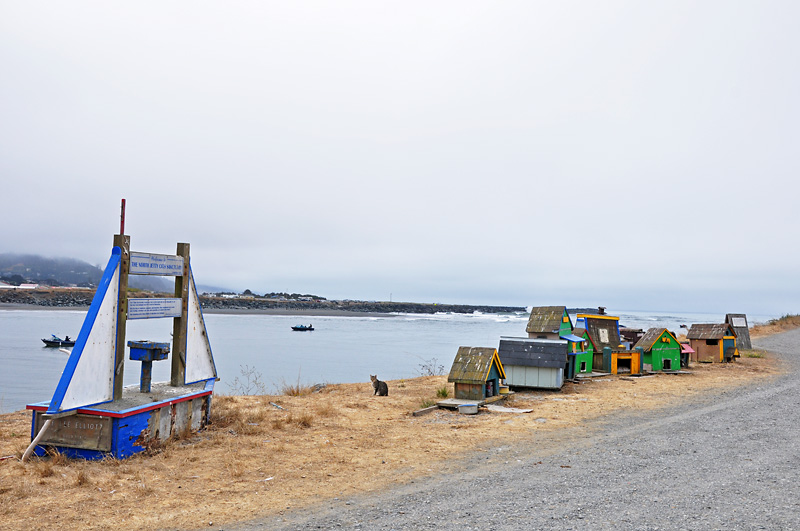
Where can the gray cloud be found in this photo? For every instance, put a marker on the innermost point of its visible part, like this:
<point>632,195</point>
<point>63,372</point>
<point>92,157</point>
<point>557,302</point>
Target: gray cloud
<point>640,155</point>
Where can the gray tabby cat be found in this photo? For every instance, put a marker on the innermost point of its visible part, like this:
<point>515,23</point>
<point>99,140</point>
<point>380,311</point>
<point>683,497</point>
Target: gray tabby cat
<point>381,389</point>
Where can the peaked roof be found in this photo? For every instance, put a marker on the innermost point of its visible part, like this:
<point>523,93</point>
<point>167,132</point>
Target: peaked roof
<point>710,331</point>
<point>581,332</point>
<point>472,365</point>
<point>739,323</point>
<point>545,319</point>
<point>602,330</point>
<point>651,336</point>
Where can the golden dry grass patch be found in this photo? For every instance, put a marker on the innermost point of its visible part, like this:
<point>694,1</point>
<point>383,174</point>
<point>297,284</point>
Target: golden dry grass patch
<point>776,326</point>
<point>257,459</point>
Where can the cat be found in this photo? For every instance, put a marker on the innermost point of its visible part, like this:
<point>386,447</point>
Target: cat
<point>381,389</point>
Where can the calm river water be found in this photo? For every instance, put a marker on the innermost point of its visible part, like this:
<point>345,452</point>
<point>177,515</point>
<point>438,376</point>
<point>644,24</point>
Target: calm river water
<point>339,350</point>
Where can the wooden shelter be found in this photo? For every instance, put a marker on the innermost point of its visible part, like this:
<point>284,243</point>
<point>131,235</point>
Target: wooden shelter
<point>713,343</point>
<point>687,353</point>
<point>738,322</point>
<point>602,331</point>
<point>621,361</point>
<point>537,363</point>
<point>549,322</point>
<point>661,350</point>
<point>579,359</point>
<point>476,373</point>
<point>630,335</point>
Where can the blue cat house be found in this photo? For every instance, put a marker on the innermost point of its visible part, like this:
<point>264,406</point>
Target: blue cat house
<point>91,415</point>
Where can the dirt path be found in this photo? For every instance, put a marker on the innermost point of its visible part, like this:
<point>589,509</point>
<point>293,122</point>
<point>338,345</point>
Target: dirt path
<point>725,459</point>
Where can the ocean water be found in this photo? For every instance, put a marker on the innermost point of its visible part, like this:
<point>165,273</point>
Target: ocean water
<point>339,350</point>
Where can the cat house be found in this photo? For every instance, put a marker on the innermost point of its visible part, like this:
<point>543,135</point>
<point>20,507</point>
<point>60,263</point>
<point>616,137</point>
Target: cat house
<point>661,350</point>
<point>476,373</point>
<point>738,322</point>
<point>536,363</point>
<point>602,331</point>
<point>548,322</point>
<point>713,343</point>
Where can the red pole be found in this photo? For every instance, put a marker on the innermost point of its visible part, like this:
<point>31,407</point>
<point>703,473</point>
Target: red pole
<point>122,218</point>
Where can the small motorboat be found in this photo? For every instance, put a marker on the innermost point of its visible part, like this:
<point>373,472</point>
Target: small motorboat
<point>56,341</point>
<point>303,328</point>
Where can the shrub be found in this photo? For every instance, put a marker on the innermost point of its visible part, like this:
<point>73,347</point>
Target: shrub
<point>431,367</point>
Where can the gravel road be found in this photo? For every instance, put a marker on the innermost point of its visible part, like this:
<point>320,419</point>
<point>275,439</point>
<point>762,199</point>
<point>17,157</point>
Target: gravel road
<point>726,461</point>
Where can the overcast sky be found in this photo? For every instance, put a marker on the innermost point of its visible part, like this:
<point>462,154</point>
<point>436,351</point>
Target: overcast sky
<point>637,155</point>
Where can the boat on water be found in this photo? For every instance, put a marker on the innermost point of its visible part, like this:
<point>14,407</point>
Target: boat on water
<point>56,341</point>
<point>303,328</point>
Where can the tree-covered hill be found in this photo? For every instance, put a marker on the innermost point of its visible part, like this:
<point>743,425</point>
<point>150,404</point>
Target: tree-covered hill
<point>19,269</point>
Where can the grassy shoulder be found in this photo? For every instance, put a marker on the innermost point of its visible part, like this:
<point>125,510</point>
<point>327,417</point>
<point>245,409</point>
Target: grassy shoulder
<point>266,454</point>
<point>775,326</point>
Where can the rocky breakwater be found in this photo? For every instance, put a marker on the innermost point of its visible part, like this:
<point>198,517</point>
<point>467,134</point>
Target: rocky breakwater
<point>219,303</point>
<point>72,298</point>
<point>48,297</point>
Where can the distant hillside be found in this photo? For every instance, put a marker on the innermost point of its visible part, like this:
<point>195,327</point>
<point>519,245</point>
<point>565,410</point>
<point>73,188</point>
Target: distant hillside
<point>28,268</point>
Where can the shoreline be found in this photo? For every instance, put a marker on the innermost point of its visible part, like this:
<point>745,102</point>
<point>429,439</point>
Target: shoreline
<point>288,312</point>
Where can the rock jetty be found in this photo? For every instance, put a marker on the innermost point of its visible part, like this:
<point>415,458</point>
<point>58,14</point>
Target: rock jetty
<point>72,298</point>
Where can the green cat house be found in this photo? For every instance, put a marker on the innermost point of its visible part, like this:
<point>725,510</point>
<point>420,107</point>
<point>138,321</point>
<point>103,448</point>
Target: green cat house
<point>661,350</point>
<point>476,373</point>
<point>549,322</point>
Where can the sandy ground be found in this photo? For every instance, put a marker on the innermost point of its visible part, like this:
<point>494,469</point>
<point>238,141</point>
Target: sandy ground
<point>257,459</point>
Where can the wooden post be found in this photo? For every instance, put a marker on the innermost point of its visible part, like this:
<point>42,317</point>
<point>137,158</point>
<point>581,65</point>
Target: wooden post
<point>123,242</point>
<point>180,324</point>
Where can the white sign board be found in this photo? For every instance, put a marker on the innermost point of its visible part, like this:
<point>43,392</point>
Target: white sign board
<point>156,264</point>
<point>739,322</point>
<point>154,308</point>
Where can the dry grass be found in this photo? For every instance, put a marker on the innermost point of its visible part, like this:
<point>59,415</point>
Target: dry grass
<point>256,459</point>
<point>787,322</point>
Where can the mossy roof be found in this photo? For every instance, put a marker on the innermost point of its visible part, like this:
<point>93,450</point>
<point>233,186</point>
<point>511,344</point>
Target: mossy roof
<point>545,319</point>
<point>473,364</point>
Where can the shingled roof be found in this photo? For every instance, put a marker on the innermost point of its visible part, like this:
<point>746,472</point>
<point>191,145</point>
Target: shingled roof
<point>472,365</point>
<point>545,319</point>
<point>533,352</point>
<point>602,331</point>
<point>651,336</point>
<point>710,331</point>
<point>739,323</point>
